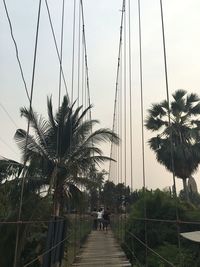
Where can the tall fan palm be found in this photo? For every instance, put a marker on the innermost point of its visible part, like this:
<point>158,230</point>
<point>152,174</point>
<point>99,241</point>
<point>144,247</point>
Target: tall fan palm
<point>63,147</point>
<point>185,128</point>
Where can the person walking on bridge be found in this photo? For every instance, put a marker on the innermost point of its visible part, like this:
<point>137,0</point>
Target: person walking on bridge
<point>106,219</point>
<point>100,218</point>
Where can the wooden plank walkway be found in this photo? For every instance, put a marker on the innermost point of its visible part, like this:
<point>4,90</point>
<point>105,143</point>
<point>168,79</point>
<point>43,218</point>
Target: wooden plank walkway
<point>101,249</point>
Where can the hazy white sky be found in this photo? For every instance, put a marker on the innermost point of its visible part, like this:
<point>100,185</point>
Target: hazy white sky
<point>102,19</point>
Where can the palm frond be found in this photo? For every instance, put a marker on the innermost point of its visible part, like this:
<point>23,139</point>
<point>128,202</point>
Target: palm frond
<point>177,107</point>
<point>75,116</point>
<point>155,143</point>
<point>64,111</point>
<point>9,168</point>
<point>32,145</point>
<point>83,114</point>
<point>165,105</point>
<point>38,123</point>
<point>96,160</point>
<point>191,98</point>
<point>195,110</point>
<point>85,151</point>
<point>84,181</point>
<point>103,135</point>
<point>84,129</point>
<point>157,110</point>
<point>179,94</point>
<point>154,124</point>
<point>50,113</point>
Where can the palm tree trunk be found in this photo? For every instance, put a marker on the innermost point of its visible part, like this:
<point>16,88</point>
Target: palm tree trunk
<point>57,209</point>
<point>185,188</point>
<point>57,193</point>
<point>57,201</point>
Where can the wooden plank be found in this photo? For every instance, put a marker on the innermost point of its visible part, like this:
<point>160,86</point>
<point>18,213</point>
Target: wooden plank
<point>101,249</point>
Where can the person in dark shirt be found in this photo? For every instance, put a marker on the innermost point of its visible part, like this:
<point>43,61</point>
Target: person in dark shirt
<point>106,219</point>
<point>94,215</point>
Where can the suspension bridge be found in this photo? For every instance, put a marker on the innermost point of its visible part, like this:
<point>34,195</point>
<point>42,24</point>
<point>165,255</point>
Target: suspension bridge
<point>56,184</point>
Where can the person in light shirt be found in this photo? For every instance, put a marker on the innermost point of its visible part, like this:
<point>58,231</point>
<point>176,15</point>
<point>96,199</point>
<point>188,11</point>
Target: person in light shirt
<point>100,218</point>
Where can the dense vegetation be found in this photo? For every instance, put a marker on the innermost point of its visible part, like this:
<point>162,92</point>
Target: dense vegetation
<point>162,232</point>
<point>76,211</point>
<point>57,154</point>
<point>60,176</point>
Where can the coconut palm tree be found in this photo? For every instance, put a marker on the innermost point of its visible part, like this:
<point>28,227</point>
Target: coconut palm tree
<point>97,179</point>
<point>63,147</point>
<point>185,128</point>
<point>58,155</point>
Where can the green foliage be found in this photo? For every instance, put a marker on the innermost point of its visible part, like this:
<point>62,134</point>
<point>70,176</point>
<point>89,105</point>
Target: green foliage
<point>95,186</point>
<point>172,254</point>
<point>115,197</point>
<point>193,196</point>
<point>58,153</point>
<point>161,236</point>
<point>183,132</point>
<point>108,195</point>
<point>32,236</point>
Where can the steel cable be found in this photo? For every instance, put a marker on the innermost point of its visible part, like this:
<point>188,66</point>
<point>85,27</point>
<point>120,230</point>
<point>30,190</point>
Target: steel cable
<point>27,135</point>
<point>117,79</point>
<point>56,46</point>
<point>142,121</point>
<point>16,49</point>
<point>151,250</point>
<point>169,121</point>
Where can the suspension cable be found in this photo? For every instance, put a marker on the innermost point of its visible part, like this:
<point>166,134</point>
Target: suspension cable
<point>79,52</point>
<point>133,254</point>
<point>61,51</point>
<point>170,126</point>
<point>85,89</point>
<point>73,49</point>
<point>47,251</point>
<point>9,116</point>
<point>135,218</point>
<point>27,136</point>
<point>125,141</point>
<point>142,121</point>
<point>56,46</point>
<point>130,94</point>
<point>16,49</point>
<point>58,146</point>
<point>60,72</point>
<point>151,250</point>
<point>118,132</point>
<point>125,118</point>
<point>121,147</point>
<point>167,93</point>
<point>82,73</point>
<point>117,78</point>
<point>6,144</point>
<point>121,125</point>
<point>86,57</point>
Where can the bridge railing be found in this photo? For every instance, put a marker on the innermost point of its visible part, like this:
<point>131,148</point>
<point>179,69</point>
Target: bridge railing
<point>79,228</point>
<point>64,239</point>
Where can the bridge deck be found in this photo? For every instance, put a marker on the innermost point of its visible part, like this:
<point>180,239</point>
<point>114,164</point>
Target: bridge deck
<point>101,249</point>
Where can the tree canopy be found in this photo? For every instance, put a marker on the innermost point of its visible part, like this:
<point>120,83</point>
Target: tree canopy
<point>180,137</point>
